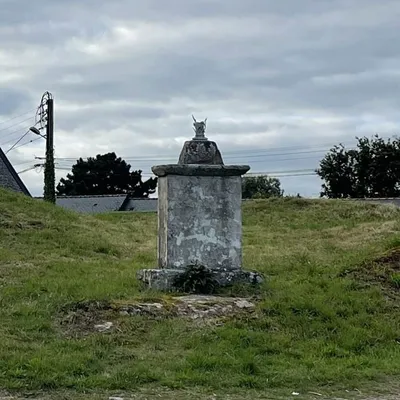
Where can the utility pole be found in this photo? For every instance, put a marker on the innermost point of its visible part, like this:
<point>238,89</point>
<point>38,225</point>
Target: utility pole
<point>45,117</point>
<point>49,169</point>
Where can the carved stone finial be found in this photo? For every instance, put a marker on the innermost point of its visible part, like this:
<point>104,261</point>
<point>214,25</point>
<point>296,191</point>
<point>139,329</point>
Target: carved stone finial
<point>199,128</point>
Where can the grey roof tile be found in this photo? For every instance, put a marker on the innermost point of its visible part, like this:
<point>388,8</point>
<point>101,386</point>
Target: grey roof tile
<point>92,204</point>
<point>141,205</point>
<point>9,179</point>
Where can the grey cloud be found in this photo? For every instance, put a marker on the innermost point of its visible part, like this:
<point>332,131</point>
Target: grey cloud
<point>153,9</point>
<point>211,79</point>
<point>12,99</point>
<point>252,67</point>
<point>107,117</point>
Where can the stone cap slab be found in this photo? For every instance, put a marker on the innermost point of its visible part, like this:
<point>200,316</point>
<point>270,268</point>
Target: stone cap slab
<point>200,170</point>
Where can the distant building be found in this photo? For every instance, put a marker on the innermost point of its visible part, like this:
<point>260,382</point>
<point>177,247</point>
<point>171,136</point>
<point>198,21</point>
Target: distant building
<point>9,179</point>
<point>106,203</point>
<point>380,200</point>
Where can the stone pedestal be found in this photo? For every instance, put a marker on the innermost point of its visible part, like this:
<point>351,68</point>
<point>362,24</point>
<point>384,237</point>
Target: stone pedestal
<point>199,217</point>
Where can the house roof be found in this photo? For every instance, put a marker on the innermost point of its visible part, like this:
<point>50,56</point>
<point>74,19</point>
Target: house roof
<point>9,179</point>
<point>145,204</point>
<point>93,204</point>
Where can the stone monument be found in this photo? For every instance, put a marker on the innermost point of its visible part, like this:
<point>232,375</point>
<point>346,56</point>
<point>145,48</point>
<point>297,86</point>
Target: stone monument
<point>199,216</point>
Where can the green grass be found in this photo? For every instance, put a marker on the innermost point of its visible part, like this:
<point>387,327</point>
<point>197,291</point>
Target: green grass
<point>318,327</point>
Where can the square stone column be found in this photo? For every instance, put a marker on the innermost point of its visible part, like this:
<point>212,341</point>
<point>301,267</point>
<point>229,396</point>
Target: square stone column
<point>199,217</point>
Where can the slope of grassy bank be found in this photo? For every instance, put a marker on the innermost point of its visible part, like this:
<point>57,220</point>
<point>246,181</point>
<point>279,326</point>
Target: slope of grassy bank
<point>328,314</point>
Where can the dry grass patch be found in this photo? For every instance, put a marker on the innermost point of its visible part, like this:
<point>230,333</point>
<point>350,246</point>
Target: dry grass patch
<point>382,272</point>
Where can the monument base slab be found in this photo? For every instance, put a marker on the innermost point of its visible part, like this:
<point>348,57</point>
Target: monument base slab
<point>163,279</point>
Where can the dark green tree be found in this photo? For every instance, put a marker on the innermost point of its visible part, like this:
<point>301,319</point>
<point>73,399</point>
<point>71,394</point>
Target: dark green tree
<point>105,174</point>
<point>262,186</point>
<point>370,170</point>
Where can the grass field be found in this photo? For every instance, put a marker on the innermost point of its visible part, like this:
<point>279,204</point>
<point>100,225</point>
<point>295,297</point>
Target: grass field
<point>327,319</point>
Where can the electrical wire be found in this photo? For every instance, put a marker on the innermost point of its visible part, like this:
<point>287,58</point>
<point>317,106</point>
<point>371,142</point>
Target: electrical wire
<point>282,172</point>
<point>280,177</point>
<point>250,151</point>
<point>69,164</point>
<point>285,175</point>
<point>26,143</point>
<point>276,174</point>
<point>17,116</point>
<point>13,146</point>
<point>11,140</point>
<point>16,131</point>
<point>41,110</point>
<point>11,126</point>
<point>27,169</point>
<point>22,163</point>
<point>243,156</point>
<point>297,147</point>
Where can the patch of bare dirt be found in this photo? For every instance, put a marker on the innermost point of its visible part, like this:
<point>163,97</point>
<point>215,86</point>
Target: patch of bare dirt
<point>10,223</point>
<point>82,318</point>
<point>383,272</point>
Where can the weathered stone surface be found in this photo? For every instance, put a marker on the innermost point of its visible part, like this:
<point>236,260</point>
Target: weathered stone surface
<point>159,279</point>
<point>200,152</point>
<point>200,221</point>
<point>163,279</point>
<point>103,327</point>
<point>193,307</point>
<point>199,170</point>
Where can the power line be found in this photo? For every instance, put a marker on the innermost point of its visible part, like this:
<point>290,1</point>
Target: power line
<point>266,157</point>
<point>311,170</point>
<point>321,148</point>
<point>17,116</point>
<point>27,169</point>
<point>26,143</point>
<point>10,126</point>
<point>13,139</point>
<point>16,147</point>
<point>17,142</point>
<point>243,156</point>
<point>68,167</point>
<point>285,175</point>
<point>16,131</point>
<point>22,163</point>
<point>281,175</point>
<point>66,163</point>
<point>272,149</point>
<point>281,172</point>
<point>286,159</point>
<point>277,174</point>
<point>280,154</point>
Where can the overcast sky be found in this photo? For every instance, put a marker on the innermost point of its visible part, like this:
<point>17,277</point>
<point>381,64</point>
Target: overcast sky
<point>280,81</point>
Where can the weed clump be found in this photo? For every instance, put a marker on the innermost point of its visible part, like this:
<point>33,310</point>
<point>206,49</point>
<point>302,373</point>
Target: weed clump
<point>196,279</point>
<point>396,280</point>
